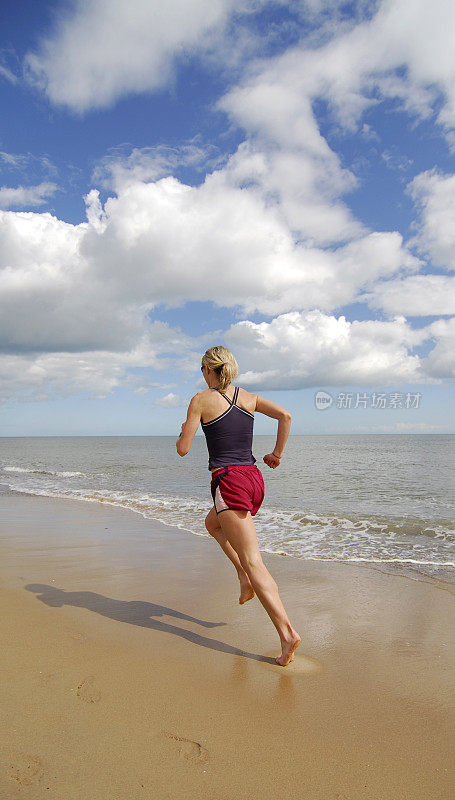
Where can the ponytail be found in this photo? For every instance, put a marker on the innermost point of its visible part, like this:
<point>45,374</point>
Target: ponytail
<point>223,363</point>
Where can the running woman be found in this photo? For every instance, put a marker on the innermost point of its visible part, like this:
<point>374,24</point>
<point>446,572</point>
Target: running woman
<point>226,414</point>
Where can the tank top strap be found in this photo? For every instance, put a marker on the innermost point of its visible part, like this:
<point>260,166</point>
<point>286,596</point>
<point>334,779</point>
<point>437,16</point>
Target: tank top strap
<point>231,403</point>
<point>234,399</point>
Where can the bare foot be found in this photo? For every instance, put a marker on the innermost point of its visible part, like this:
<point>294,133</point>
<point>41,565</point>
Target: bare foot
<point>246,590</point>
<point>287,649</point>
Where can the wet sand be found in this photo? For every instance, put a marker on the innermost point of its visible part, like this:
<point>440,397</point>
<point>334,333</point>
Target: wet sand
<point>129,670</point>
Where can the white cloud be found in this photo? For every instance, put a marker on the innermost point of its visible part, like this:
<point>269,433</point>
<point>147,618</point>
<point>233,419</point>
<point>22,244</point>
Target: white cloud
<point>434,194</point>
<point>38,376</point>
<point>104,49</point>
<point>285,178</point>
<point>29,164</point>
<point>269,232</point>
<point>403,52</point>
<point>6,73</point>
<point>124,165</point>
<point>21,196</point>
<point>15,160</point>
<point>402,427</point>
<point>75,299</point>
<point>237,250</point>
<point>170,243</point>
<point>55,299</point>
<point>287,159</point>
<point>301,184</point>
<point>88,287</point>
<point>101,50</point>
<point>416,295</point>
<point>49,298</point>
<point>295,350</point>
<point>396,160</point>
<point>440,363</point>
<point>170,400</point>
<point>138,379</point>
<point>299,350</point>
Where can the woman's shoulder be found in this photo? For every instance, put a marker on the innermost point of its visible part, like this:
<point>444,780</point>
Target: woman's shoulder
<point>206,397</point>
<point>247,400</point>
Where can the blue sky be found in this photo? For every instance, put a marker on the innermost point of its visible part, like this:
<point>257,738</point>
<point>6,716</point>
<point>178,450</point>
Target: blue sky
<point>277,177</point>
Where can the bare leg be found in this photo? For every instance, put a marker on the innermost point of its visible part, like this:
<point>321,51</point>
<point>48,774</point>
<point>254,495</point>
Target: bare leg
<point>238,526</point>
<point>213,526</point>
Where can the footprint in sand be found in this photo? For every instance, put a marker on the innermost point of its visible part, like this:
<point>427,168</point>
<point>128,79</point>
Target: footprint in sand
<point>75,635</point>
<point>24,768</point>
<point>87,691</point>
<point>79,637</point>
<point>187,749</point>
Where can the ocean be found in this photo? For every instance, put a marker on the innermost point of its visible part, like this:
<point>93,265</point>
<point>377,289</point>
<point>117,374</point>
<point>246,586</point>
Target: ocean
<point>385,500</point>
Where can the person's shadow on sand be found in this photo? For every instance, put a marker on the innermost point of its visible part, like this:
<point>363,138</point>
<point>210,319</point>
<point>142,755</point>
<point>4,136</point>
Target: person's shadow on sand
<point>138,612</point>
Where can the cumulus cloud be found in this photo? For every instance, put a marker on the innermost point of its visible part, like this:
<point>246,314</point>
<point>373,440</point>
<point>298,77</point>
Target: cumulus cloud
<point>291,352</point>
<point>238,250</point>
<point>416,295</point>
<point>403,52</point>
<point>76,299</point>
<point>303,184</point>
<point>299,350</point>
<point>434,194</point>
<point>89,286</point>
<point>399,53</point>
<point>26,196</point>
<point>101,50</point>
<point>49,300</point>
<point>38,376</point>
<point>285,179</point>
<point>268,232</point>
<point>87,289</point>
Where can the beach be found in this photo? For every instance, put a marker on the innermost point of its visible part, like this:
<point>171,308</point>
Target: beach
<point>130,670</point>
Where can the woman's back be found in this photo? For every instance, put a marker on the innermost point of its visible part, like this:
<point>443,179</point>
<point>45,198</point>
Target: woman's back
<point>228,427</point>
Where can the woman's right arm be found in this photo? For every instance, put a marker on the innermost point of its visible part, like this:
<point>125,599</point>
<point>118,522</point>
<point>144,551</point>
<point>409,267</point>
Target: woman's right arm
<point>284,418</point>
<point>190,426</point>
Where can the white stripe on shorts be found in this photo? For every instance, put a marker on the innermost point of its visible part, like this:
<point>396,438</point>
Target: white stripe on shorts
<point>220,505</point>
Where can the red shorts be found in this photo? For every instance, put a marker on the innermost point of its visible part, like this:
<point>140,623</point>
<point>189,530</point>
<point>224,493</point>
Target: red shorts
<point>239,487</point>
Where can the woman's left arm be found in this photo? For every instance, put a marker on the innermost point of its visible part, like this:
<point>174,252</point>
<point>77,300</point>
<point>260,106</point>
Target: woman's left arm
<point>189,428</point>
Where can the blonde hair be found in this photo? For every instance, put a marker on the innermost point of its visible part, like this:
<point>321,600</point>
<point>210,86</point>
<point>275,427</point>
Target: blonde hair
<point>223,363</point>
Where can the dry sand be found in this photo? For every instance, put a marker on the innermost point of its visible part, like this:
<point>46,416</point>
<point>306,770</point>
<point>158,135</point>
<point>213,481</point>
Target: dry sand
<point>128,669</point>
